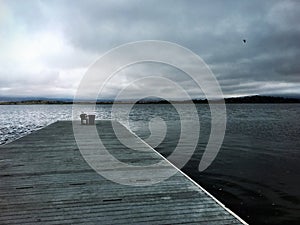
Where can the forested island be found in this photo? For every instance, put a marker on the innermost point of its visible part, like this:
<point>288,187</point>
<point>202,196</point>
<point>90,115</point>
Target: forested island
<point>239,100</point>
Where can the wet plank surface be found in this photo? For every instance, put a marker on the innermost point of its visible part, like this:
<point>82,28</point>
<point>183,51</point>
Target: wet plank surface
<point>44,179</point>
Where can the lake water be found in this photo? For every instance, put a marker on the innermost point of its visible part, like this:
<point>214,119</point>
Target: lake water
<point>256,173</point>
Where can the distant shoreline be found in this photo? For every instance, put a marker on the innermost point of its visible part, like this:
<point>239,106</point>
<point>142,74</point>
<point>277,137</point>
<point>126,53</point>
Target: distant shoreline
<point>239,100</point>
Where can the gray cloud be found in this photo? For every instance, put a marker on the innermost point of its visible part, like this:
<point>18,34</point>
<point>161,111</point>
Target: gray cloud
<point>266,64</point>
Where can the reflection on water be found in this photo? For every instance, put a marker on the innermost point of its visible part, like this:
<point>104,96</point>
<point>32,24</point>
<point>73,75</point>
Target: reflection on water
<point>256,173</point>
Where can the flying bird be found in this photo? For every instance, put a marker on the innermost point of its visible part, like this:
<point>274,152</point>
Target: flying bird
<point>244,40</point>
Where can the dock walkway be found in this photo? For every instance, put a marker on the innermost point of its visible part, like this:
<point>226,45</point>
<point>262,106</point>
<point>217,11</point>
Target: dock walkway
<point>44,179</point>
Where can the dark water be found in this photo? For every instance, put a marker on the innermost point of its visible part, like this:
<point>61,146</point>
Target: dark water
<point>256,173</point>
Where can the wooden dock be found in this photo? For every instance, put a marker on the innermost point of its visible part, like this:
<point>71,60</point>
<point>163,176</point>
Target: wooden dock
<point>45,180</point>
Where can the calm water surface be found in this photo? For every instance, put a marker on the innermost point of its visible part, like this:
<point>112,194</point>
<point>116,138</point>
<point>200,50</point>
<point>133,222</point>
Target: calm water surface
<point>256,173</point>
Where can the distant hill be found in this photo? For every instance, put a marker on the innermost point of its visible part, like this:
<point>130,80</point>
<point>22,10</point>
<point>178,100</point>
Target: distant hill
<point>239,100</point>
<point>32,99</point>
<point>36,102</point>
<point>262,99</point>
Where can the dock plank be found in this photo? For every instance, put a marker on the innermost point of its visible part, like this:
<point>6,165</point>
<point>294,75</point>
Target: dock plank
<point>45,180</point>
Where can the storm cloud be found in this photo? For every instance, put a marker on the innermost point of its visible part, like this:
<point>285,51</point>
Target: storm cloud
<point>46,46</point>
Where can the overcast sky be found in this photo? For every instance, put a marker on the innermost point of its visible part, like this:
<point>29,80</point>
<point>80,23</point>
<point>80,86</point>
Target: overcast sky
<point>47,46</point>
